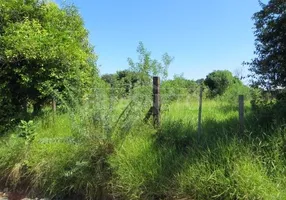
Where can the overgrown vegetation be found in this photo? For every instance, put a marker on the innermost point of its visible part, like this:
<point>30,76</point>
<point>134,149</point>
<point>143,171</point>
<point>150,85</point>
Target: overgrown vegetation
<point>95,154</point>
<point>268,67</point>
<point>44,54</point>
<point>98,145</point>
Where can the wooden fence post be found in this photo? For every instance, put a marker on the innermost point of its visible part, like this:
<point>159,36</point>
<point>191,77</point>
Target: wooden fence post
<point>54,105</point>
<point>200,112</point>
<point>54,108</point>
<point>156,101</point>
<point>241,113</point>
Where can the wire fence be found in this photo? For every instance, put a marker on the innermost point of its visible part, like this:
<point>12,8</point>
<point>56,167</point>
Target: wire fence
<point>153,99</point>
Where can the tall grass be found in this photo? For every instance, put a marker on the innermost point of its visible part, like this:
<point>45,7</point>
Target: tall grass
<point>220,164</point>
<point>65,155</point>
<point>105,150</point>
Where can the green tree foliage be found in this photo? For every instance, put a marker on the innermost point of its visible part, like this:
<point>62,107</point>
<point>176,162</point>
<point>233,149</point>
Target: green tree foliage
<point>219,81</point>
<point>269,66</point>
<point>200,81</point>
<point>111,79</point>
<point>147,67</point>
<point>128,79</point>
<point>178,87</point>
<point>123,81</point>
<point>44,52</point>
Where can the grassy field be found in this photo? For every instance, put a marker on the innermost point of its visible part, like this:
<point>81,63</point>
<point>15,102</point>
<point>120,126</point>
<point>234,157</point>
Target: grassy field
<point>117,155</point>
<point>219,164</point>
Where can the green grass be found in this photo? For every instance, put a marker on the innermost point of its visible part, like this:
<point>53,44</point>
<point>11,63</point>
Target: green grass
<point>93,155</point>
<point>176,163</point>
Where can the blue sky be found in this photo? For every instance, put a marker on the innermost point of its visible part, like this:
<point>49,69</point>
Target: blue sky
<point>202,35</point>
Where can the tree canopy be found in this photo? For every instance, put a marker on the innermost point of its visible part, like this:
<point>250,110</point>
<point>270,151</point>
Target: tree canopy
<point>178,88</point>
<point>219,81</point>
<point>124,80</point>
<point>269,66</point>
<point>147,67</point>
<point>44,52</point>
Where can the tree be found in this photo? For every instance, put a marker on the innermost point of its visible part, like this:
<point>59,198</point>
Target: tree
<point>110,79</point>
<point>178,87</point>
<point>44,53</point>
<point>269,67</point>
<point>147,67</point>
<point>200,81</point>
<point>218,81</point>
<point>124,79</point>
<point>128,79</point>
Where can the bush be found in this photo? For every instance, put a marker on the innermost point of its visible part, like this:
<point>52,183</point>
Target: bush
<point>178,89</point>
<point>267,110</point>
<point>219,81</point>
<point>67,154</point>
<point>231,94</point>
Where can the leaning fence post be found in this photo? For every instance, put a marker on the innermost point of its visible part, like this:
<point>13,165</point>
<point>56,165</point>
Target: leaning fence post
<point>156,101</point>
<point>200,112</point>
<point>241,113</point>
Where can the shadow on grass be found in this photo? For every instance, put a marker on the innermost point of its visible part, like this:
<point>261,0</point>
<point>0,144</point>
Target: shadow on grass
<point>176,142</point>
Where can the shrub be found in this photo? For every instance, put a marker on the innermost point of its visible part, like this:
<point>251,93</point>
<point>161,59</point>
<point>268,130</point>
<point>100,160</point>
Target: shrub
<point>178,89</point>
<point>219,81</point>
